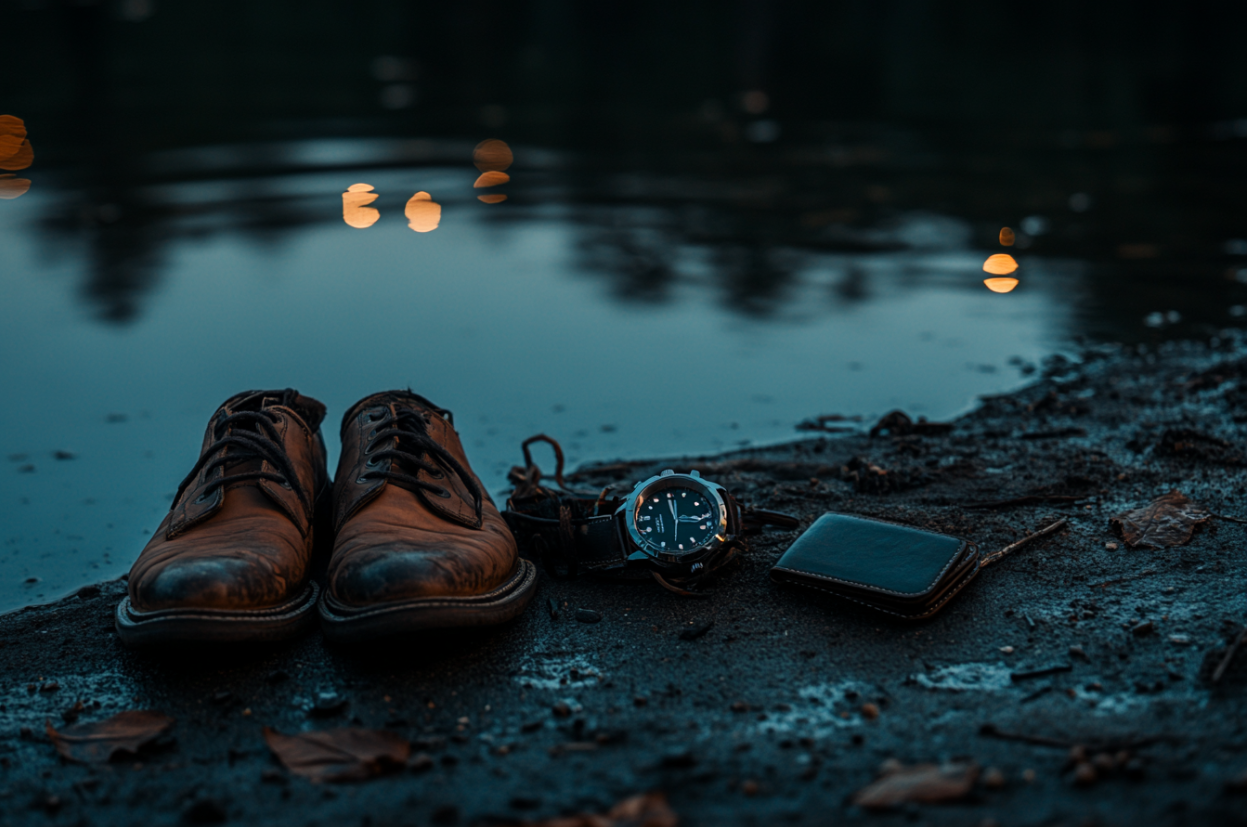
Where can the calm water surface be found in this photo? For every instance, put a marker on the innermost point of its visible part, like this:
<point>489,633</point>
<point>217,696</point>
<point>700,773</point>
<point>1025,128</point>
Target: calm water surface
<point>626,312</point>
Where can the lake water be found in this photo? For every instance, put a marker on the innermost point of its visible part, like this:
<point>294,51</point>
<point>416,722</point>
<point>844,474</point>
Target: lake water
<point>628,310</point>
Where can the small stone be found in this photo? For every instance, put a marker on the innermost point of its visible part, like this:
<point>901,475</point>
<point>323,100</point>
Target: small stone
<point>445,814</point>
<point>870,711</point>
<point>64,455</point>
<point>640,700</point>
<point>87,592</point>
<point>749,788</point>
<point>1111,546</point>
<point>993,778</point>
<point>678,759</point>
<point>1180,640</point>
<point>328,704</point>
<point>740,706</point>
<point>588,616</point>
<point>1085,774</point>
<point>525,802</point>
<point>1007,650</point>
<point>694,632</point>
<point>205,811</point>
<point>1144,628</point>
<point>1076,651</point>
<point>50,686</point>
<point>562,710</point>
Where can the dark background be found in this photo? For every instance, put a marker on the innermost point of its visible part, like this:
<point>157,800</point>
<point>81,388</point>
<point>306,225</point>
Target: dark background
<point>985,111</point>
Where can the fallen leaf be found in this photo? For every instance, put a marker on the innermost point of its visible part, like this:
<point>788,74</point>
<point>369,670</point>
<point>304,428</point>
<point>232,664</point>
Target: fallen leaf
<point>645,810</point>
<point>339,754</point>
<point>1166,521</point>
<point>123,734</point>
<point>922,784</point>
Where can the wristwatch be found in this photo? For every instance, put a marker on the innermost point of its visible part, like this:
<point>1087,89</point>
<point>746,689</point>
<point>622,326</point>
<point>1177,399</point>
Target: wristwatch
<point>677,528</point>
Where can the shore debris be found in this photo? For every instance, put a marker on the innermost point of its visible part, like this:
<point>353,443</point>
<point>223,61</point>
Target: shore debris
<point>346,754</point>
<point>921,784</point>
<point>124,734</point>
<point>1166,521</point>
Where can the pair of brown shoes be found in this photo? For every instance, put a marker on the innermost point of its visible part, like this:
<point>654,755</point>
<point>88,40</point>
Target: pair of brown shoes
<point>417,541</point>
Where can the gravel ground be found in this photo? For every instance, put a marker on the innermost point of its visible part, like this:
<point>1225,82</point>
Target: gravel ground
<point>759,705</point>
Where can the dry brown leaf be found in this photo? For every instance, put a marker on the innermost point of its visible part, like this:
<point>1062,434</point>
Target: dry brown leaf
<point>339,754</point>
<point>921,784</point>
<point>1166,521</point>
<point>644,810</point>
<point>123,734</point>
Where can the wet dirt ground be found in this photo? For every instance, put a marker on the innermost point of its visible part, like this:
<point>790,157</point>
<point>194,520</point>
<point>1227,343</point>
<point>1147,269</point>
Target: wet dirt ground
<point>759,705</point>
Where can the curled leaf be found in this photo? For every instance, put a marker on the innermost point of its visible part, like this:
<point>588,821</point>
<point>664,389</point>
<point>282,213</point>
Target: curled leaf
<point>1166,521</point>
<point>645,810</point>
<point>20,158</point>
<point>921,784</point>
<point>339,754</point>
<point>121,735</point>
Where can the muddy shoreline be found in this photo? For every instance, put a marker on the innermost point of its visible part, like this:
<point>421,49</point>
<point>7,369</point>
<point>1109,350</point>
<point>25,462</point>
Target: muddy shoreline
<point>761,704</point>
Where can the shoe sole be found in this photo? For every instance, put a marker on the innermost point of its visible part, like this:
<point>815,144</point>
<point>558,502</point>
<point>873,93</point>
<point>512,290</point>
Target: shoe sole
<point>342,624</point>
<point>137,628</point>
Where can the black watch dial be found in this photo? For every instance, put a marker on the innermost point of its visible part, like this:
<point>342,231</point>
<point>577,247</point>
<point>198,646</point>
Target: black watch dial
<point>676,519</point>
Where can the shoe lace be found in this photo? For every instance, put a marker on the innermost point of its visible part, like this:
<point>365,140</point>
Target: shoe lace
<point>421,451</point>
<point>251,435</point>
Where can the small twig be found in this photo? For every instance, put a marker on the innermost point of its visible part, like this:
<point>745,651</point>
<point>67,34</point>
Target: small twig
<point>991,731</point>
<point>1224,665</point>
<point>1123,579</point>
<point>1032,499</point>
<point>1012,547</point>
<point>1228,517</point>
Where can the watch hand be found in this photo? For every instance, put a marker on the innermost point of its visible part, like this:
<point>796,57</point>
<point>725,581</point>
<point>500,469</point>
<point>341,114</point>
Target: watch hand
<point>674,514</point>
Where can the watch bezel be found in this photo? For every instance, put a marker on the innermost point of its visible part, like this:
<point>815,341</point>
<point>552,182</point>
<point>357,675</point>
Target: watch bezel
<point>670,479</point>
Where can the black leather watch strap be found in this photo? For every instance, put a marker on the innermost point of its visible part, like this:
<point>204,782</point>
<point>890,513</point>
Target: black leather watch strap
<point>568,546</point>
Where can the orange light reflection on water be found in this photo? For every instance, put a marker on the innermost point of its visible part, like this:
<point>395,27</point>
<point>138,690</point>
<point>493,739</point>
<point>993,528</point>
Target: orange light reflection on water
<point>1000,285</point>
<point>1001,264</point>
<point>1006,237</point>
<point>423,213</point>
<point>355,211</point>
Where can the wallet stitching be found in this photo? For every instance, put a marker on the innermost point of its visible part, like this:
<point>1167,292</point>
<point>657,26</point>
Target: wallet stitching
<point>935,608</point>
<point>938,577</point>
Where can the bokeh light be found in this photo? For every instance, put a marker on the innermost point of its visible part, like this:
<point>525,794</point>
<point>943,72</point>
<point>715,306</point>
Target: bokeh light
<point>1001,264</point>
<point>355,211</point>
<point>423,213</point>
<point>1000,285</point>
<point>1006,236</point>
<point>492,155</point>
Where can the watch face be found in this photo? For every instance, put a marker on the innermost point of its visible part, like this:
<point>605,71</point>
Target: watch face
<point>675,519</point>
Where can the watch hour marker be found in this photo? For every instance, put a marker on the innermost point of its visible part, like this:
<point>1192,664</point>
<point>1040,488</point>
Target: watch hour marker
<point>664,545</point>
<point>681,546</point>
<point>696,503</point>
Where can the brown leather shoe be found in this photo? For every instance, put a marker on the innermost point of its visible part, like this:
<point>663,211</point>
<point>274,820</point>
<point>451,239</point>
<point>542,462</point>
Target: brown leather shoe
<point>419,544</point>
<point>232,560</point>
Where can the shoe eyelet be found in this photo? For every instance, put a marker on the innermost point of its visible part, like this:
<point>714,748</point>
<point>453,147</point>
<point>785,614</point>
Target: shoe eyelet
<point>202,498</point>
<point>286,485</point>
<point>437,475</point>
<point>362,481</point>
<point>373,463</point>
<point>372,434</point>
<point>443,493</point>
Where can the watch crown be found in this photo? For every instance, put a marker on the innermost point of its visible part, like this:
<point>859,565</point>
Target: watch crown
<point>666,473</point>
<point>695,473</point>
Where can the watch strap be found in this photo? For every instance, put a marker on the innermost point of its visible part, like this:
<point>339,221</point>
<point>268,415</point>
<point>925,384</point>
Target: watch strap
<point>568,546</point>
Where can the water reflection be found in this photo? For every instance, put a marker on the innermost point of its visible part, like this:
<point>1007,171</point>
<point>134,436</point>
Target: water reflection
<point>355,209</point>
<point>1000,285</point>
<point>423,213</point>
<point>1000,264</point>
<point>1006,237</point>
<point>492,155</point>
<point>15,154</point>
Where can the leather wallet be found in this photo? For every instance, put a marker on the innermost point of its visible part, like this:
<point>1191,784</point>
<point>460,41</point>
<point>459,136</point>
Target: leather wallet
<point>903,571</point>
